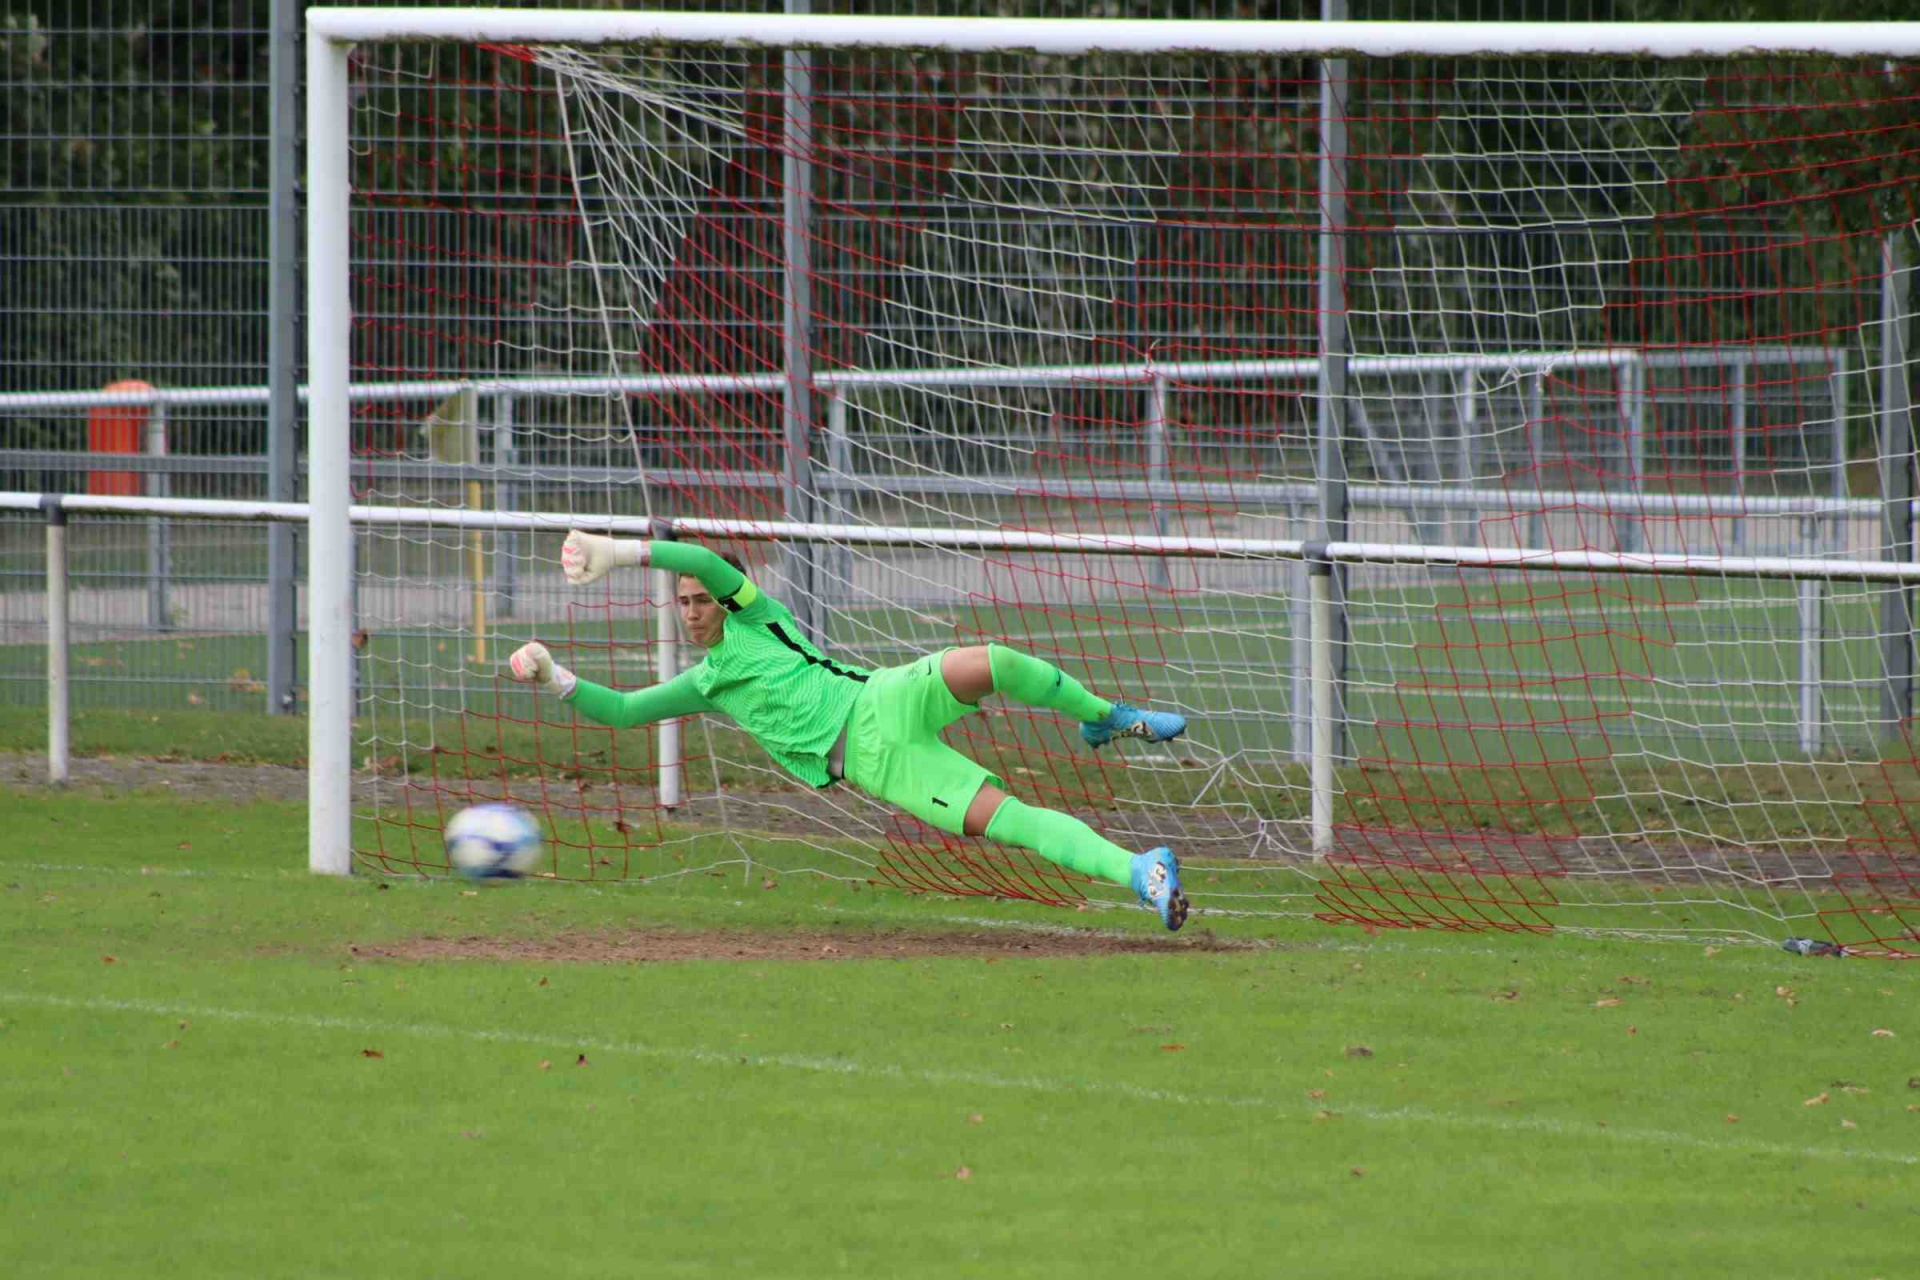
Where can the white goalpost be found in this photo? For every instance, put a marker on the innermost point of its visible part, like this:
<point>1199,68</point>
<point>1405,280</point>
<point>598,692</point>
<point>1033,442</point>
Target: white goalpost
<point>1494,438</point>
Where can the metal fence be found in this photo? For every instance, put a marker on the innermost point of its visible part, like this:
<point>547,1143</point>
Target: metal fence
<point>148,236</point>
<point>202,582</point>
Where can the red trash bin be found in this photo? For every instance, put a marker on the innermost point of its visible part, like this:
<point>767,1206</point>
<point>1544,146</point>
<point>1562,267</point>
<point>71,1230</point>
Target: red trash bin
<point>117,429</point>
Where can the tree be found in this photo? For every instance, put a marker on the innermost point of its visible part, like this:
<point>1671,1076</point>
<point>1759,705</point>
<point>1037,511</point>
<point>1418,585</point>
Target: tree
<point>132,201</point>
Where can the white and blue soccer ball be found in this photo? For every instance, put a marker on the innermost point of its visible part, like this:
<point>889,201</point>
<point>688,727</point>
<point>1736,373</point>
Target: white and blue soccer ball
<point>491,841</point>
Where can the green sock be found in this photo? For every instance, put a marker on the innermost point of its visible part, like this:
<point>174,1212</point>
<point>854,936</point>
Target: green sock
<point>1037,683</point>
<point>1061,838</point>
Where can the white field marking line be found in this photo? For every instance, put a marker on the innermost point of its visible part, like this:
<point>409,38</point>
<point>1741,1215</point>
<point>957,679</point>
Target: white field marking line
<point>970,1079</point>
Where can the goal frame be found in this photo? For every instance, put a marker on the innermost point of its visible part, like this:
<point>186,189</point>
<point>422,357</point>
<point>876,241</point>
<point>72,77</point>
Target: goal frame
<point>332,32</point>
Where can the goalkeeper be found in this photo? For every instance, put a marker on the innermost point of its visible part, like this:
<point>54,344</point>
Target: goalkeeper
<point>825,722</point>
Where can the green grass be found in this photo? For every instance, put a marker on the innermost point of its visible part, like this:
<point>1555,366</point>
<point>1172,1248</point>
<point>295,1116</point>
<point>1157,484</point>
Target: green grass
<point>204,1100</point>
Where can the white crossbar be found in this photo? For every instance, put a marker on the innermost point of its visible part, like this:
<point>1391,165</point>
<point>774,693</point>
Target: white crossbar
<point>1074,35</point>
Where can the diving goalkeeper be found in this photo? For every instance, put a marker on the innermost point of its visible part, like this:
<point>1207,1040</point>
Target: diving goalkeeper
<point>825,722</point>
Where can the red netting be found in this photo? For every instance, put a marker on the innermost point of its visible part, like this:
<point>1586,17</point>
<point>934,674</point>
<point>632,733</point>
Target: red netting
<point>1591,307</point>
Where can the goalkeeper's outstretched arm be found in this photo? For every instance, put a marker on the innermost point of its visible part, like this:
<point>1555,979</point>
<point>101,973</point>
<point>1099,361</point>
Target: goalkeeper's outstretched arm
<point>533,664</point>
<point>589,557</point>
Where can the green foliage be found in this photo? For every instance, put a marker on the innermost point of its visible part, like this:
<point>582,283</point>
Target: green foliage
<point>1839,158</point>
<point>1746,11</point>
<point>131,201</point>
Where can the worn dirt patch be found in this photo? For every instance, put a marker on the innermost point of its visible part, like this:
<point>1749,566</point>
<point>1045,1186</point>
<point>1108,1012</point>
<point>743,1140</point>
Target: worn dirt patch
<point>192,779</point>
<point>667,946</point>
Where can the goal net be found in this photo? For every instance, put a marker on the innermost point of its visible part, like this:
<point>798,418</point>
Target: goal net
<point>913,299</point>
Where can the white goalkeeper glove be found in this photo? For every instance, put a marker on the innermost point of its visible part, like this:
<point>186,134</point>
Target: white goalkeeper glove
<point>589,557</point>
<point>532,664</point>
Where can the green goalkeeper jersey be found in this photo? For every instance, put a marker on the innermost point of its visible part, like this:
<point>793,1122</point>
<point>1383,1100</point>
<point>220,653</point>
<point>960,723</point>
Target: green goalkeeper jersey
<point>764,674</point>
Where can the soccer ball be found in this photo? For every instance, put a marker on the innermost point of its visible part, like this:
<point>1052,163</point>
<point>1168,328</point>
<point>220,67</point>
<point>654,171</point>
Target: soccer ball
<point>492,841</point>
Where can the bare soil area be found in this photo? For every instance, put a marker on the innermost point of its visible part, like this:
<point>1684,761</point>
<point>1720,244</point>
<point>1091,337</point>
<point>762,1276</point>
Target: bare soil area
<point>666,946</point>
<point>194,779</point>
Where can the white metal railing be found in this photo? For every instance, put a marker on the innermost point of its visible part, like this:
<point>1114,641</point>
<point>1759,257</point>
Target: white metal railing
<point>1318,556</point>
<point>1158,381</point>
<point>1142,372</point>
<point>1655,564</point>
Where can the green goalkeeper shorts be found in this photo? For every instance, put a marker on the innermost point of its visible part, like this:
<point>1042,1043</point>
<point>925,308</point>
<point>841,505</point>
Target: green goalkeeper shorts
<point>894,751</point>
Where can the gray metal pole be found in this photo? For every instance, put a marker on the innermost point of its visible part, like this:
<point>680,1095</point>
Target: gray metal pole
<point>669,757</point>
<point>1810,597</point>
<point>1896,491</point>
<point>1159,471</point>
<point>1326,724</point>
<point>159,530</point>
<point>796,177</point>
<point>506,496</point>
<point>1461,526</point>
<point>1837,485</point>
<point>1331,443</point>
<point>1634,397</point>
<point>59,690</point>
<point>839,470</point>
<point>1300,656</point>
<point>1836,530</point>
<point>284,61</point>
<point>1738,464</point>
<point>1537,447</point>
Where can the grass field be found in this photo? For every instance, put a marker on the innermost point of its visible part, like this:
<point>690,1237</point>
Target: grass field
<point>214,1058</point>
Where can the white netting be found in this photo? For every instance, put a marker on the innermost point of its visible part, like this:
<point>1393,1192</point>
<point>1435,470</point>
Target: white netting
<point>1589,305</point>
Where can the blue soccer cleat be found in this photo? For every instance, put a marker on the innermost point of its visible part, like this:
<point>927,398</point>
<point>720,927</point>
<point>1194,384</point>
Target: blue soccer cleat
<point>1131,722</point>
<point>1156,878</point>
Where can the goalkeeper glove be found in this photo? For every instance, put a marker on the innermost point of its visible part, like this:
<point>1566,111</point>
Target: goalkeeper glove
<point>532,664</point>
<point>589,557</point>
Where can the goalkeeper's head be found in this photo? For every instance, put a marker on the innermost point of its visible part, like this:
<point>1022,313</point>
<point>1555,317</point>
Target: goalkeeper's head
<point>704,618</point>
